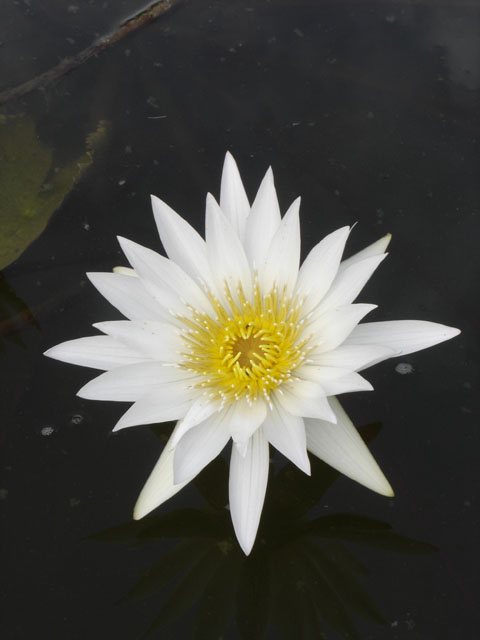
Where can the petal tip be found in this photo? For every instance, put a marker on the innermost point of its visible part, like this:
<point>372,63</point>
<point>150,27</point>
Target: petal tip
<point>229,159</point>
<point>246,545</point>
<point>388,491</point>
<point>384,488</point>
<point>210,199</point>
<point>124,243</point>
<point>119,426</point>
<point>139,510</point>
<point>81,393</point>
<point>306,467</point>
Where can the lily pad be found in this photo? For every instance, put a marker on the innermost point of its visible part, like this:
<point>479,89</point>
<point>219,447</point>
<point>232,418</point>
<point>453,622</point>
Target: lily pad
<point>32,188</point>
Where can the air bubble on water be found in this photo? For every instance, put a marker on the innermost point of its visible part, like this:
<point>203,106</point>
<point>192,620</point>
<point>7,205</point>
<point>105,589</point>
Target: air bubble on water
<point>404,367</point>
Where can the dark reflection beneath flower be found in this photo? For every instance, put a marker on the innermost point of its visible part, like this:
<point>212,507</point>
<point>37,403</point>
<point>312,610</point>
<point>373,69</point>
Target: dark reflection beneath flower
<point>301,580</point>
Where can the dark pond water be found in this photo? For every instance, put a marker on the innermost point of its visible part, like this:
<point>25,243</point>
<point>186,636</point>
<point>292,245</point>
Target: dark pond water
<point>370,111</point>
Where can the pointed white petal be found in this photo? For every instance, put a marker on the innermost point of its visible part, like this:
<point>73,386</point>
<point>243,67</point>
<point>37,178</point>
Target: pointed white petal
<point>130,383</point>
<point>305,398</point>
<point>171,286</point>
<point>241,447</point>
<point>263,222</point>
<point>330,329</point>
<point>404,336</point>
<point>348,284</point>
<point>167,402</point>
<point>287,434</point>
<point>320,268</point>
<point>159,340</point>
<point>341,446</point>
<point>375,249</point>
<point>352,356</point>
<point>247,486</point>
<point>97,352</point>
<point>199,446</point>
<point>202,408</point>
<point>242,419</point>
<point>334,380</point>
<point>128,295</point>
<point>226,256</point>
<point>159,486</point>
<point>233,199</point>
<point>182,243</point>
<point>349,383</point>
<point>283,257</point>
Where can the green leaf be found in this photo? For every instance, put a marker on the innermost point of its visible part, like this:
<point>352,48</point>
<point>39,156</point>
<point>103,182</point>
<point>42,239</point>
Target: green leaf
<point>32,187</point>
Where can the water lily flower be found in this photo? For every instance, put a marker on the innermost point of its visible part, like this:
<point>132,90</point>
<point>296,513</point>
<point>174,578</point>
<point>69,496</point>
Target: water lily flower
<point>233,339</point>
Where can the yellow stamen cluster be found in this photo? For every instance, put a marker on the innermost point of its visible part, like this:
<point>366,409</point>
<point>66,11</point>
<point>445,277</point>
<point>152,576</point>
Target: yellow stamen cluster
<point>245,347</point>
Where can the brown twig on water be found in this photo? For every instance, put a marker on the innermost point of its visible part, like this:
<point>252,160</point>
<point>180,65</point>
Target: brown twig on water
<point>54,74</point>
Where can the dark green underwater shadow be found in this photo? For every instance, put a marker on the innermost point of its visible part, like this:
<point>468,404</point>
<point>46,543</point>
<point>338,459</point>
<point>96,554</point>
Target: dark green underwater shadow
<point>14,315</point>
<point>300,581</point>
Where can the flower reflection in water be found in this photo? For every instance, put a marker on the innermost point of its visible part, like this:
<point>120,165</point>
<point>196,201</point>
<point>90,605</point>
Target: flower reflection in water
<point>301,580</point>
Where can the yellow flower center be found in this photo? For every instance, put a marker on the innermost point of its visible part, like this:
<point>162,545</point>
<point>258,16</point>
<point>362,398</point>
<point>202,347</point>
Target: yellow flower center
<point>245,348</point>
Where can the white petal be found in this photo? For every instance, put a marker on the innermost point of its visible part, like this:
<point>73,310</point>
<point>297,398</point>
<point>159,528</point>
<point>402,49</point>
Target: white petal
<point>263,222</point>
<point>352,356</point>
<point>350,282</point>
<point>233,199</point>
<point>167,402</point>
<point>247,486</point>
<point>182,243</point>
<point>159,340</point>
<point>242,419</point>
<point>130,383</point>
<point>349,383</point>
<point>159,486</point>
<point>97,352</point>
<point>403,336</point>
<point>334,380</point>
<point>172,287</point>
<point>199,446</point>
<point>331,328</point>
<point>320,268</point>
<point>283,257</point>
<point>241,447</point>
<point>341,446</point>
<point>128,295</point>
<point>305,398</point>
<point>202,408</point>
<point>226,256</point>
<point>375,249</point>
<point>126,271</point>
<point>287,434</point>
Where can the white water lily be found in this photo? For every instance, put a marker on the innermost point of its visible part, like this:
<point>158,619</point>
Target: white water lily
<point>233,339</point>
